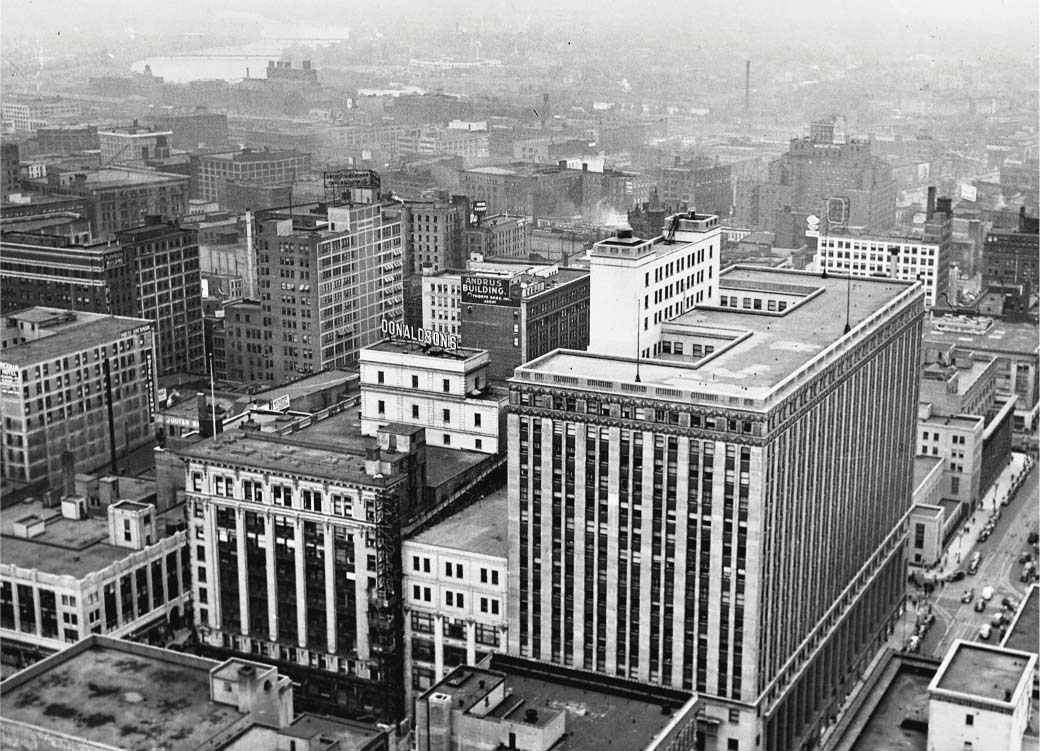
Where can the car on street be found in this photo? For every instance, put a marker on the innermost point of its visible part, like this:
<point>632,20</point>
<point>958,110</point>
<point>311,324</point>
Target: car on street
<point>980,605</point>
<point>1010,603</point>
<point>998,619</point>
<point>1034,537</point>
<point>987,593</point>
<point>968,596</point>
<point>957,575</point>
<point>1025,557</point>
<point>973,567</point>
<point>985,631</point>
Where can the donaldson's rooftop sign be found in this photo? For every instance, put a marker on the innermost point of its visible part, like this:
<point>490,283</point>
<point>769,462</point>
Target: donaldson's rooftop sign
<point>396,330</point>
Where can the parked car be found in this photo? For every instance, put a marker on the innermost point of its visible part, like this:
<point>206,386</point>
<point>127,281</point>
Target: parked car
<point>1034,537</point>
<point>985,631</point>
<point>980,605</point>
<point>1010,603</point>
<point>987,593</point>
<point>957,575</point>
<point>998,619</point>
<point>1025,557</point>
<point>913,644</point>
<point>968,596</point>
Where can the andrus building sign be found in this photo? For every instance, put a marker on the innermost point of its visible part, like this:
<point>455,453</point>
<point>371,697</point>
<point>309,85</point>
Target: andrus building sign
<point>487,290</point>
<point>396,330</point>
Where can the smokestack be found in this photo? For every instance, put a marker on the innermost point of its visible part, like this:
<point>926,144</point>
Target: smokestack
<point>107,370</point>
<point>930,207</point>
<point>747,85</point>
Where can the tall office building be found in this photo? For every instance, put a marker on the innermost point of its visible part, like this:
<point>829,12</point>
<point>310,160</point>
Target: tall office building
<point>75,381</point>
<point>827,165</point>
<point>327,276</point>
<point>733,522</point>
<point>437,233</point>
<point>637,284</point>
<point>165,259</point>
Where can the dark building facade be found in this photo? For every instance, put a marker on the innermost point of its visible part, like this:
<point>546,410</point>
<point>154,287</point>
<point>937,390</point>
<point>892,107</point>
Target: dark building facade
<point>67,139</point>
<point>525,317</point>
<point>119,198</point>
<point>196,130</point>
<point>1010,264</point>
<point>165,260</point>
<point>9,163</point>
<point>707,187</point>
<point>55,272</point>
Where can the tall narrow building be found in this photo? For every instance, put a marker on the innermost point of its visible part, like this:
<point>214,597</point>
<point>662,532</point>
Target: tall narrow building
<point>327,277</point>
<point>728,518</point>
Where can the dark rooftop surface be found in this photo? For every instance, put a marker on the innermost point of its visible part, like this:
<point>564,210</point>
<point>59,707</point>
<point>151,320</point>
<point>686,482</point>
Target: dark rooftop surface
<point>595,720</point>
<point>407,347</point>
<point>317,382</point>
<point>481,527</point>
<point>109,177</point>
<point>86,331</point>
<point>763,348</point>
<point>1025,629</point>
<point>326,454</point>
<point>906,697</point>
<point>67,547</point>
<point>123,699</point>
<point>986,672</point>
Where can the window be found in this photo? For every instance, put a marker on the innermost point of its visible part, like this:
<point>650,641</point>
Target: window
<point>734,715</point>
<point>447,569</point>
<point>478,444</point>
<point>476,420</point>
<point>380,377</point>
<point>969,719</point>
<point>446,415</point>
<point>458,570</point>
<point>415,563</point>
<point>415,411</point>
<point>447,439</point>
<point>381,408</point>
<point>732,744</point>
<point>446,385</point>
<point>415,381</point>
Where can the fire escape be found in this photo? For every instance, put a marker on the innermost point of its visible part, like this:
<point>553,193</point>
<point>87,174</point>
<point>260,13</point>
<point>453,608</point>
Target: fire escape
<point>385,614</point>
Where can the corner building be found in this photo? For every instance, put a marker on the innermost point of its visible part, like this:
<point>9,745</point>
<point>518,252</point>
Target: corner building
<point>730,523</point>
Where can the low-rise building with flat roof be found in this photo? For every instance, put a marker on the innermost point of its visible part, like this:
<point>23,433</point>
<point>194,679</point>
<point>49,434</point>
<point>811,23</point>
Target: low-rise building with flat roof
<point>1017,349</point>
<point>980,698</point>
<point>66,573</point>
<point>455,590</point>
<point>104,693</point>
<point>444,390</point>
<point>514,703</point>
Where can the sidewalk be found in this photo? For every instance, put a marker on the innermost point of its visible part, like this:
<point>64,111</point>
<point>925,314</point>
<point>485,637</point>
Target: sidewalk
<point>988,507</point>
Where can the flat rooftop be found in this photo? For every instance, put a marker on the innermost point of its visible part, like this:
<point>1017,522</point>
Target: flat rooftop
<point>481,527</point>
<point>997,336</point>
<point>1024,628</point>
<point>309,385</point>
<point>757,350</point>
<point>67,547</point>
<point>981,671</point>
<point>304,453</point>
<point>898,721</point>
<point>601,714</point>
<point>121,697</point>
<point>115,176</point>
<point>85,331</point>
<point>408,347</point>
<point>923,466</point>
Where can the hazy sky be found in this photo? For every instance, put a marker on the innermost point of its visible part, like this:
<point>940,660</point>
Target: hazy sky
<point>968,25</point>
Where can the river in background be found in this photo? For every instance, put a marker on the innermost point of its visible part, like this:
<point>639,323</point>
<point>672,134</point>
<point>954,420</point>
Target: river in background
<point>235,63</point>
